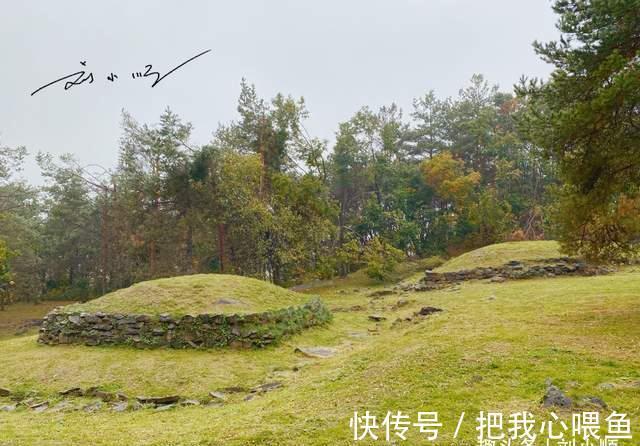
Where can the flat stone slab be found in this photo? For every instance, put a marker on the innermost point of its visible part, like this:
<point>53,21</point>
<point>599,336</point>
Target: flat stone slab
<point>316,352</point>
<point>218,396</point>
<point>158,400</point>
<point>267,387</point>
<point>73,391</point>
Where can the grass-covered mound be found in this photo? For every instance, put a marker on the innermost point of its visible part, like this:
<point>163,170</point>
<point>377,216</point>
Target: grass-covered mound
<point>206,310</point>
<point>501,253</point>
<point>195,294</point>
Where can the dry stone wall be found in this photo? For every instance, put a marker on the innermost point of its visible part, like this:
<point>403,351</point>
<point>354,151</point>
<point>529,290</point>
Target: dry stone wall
<point>204,330</point>
<point>510,271</point>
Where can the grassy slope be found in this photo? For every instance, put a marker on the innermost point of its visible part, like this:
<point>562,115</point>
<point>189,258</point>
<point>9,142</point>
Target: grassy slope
<point>195,294</point>
<point>496,255</point>
<point>492,349</point>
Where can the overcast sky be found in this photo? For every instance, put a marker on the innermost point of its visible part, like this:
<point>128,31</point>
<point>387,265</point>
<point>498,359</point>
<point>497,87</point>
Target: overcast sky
<point>338,54</point>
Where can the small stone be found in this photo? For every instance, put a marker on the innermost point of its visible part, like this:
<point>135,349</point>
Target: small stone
<point>401,303</point>
<point>190,403</point>
<point>93,407</point>
<point>377,318</point>
<point>218,396</point>
<point>426,311</point>
<point>5,392</point>
<point>497,279</point>
<point>357,334</point>
<point>555,398</point>
<point>158,400</point>
<point>137,406</point>
<point>28,402</point>
<point>606,386</point>
<point>234,389</point>
<point>63,406</point>
<point>91,391</point>
<point>165,407</point>
<point>39,407</point>
<point>104,396</point>
<point>594,401</point>
<point>120,406</point>
<point>316,352</point>
<point>8,408</point>
<point>73,391</point>
<point>267,387</point>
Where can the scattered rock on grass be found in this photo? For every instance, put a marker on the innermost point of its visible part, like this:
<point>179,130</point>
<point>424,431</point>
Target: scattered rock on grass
<point>73,391</point>
<point>190,403</point>
<point>120,406</point>
<point>8,408</point>
<point>158,400</point>
<point>234,389</point>
<point>593,401</point>
<point>63,406</point>
<point>164,407</point>
<point>377,318</point>
<point>5,392</point>
<point>105,396</point>
<point>218,396</point>
<point>93,407</point>
<point>399,304</point>
<point>426,311</point>
<point>556,398</point>
<point>316,352</point>
<point>39,406</point>
<point>267,387</point>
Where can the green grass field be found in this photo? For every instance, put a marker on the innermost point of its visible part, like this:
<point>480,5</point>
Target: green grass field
<point>491,349</point>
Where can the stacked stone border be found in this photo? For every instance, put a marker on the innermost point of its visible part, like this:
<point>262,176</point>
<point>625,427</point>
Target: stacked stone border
<point>512,270</point>
<point>201,331</point>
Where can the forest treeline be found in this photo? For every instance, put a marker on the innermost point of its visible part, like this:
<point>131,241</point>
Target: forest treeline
<point>264,198</point>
